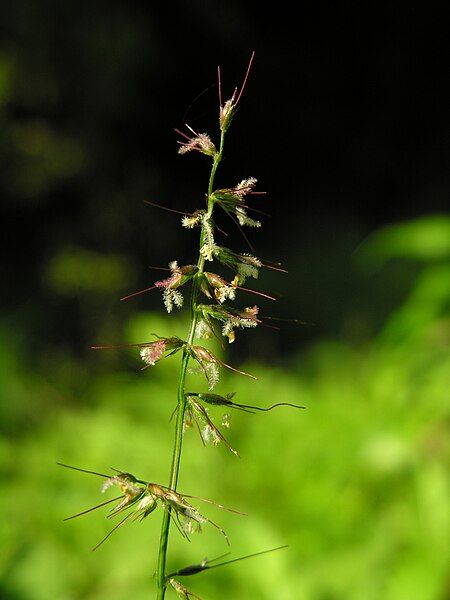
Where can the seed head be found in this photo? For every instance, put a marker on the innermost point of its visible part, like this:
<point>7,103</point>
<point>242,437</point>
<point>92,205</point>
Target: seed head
<point>222,289</point>
<point>226,114</point>
<point>210,435</point>
<point>203,355</point>
<point>153,352</point>
<point>246,265</point>
<point>203,330</point>
<point>208,363</point>
<point>231,318</point>
<point>228,109</point>
<point>241,319</point>
<point>172,298</point>
<point>200,142</point>
<point>245,186</point>
<point>207,250</point>
<point>232,199</point>
<point>190,221</point>
<point>180,275</point>
<point>244,219</point>
<point>196,412</point>
<point>182,592</point>
<point>212,374</point>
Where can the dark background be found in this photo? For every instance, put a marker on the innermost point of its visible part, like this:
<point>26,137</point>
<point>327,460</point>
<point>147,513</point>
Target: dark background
<point>344,122</point>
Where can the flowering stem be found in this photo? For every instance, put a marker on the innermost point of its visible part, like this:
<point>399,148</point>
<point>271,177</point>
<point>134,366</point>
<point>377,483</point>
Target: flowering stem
<point>178,442</point>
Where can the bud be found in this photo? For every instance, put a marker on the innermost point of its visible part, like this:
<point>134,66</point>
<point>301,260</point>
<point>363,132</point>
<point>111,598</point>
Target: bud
<point>227,401</point>
<point>206,564</point>
<point>215,399</point>
<point>228,109</point>
<point>226,114</point>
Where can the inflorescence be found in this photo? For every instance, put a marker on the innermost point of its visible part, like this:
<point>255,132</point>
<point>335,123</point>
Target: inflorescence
<point>213,315</point>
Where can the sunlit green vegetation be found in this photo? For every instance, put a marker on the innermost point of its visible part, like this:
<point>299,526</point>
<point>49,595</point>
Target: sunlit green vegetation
<point>356,484</point>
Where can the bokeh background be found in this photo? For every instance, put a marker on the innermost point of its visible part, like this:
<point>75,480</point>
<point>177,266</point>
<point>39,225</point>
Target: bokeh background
<point>345,123</point>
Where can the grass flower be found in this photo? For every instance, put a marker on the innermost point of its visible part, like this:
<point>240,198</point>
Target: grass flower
<point>138,499</point>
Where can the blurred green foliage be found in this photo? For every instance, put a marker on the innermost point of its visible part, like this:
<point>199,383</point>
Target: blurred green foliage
<point>425,239</point>
<point>75,271</point>
<point>357,484</point>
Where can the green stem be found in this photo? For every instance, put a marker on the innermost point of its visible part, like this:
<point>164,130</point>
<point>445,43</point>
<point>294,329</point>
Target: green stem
<point>176,456</point>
